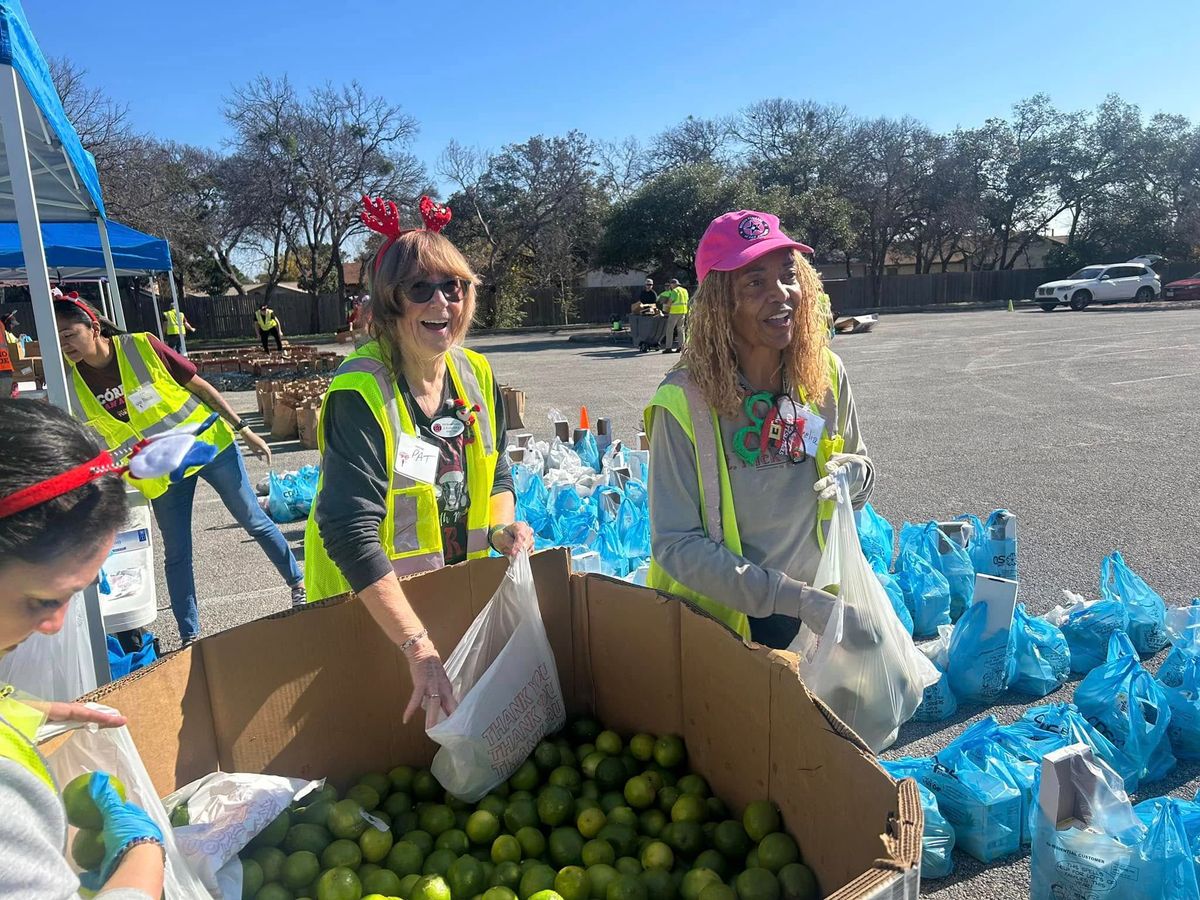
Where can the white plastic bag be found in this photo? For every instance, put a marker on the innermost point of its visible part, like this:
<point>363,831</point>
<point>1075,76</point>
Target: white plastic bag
<point>225,812</point>
<point>865,666</point>
<point>504,674</point>
<point>111,750</point>
<point>54,666</point>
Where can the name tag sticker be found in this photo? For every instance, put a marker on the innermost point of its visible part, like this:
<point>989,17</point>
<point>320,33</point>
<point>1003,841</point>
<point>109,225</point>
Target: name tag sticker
<point>416,459</point>
<point>144,398</point>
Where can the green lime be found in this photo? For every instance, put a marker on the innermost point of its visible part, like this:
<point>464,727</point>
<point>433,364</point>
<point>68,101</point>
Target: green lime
<point>405,822</point>
<point>566,754</point>
<point>582,804</point>
<point>659,884</point>
<point>797,882</point>
<point>591,763</point>
<point>565,847</point>
<point>366,795</point>
<point>378,782</point>
<point>626,887</point>
<point>82,811</point>
<point>466,877</point>
<point>718,892</point>
<point>506,848</point>
<point>668,797</point>
<point>339,884</point>
<point>572,883</point>
<point>273,891</point>
<point>601,876</point>
<point>760,819</point>
<point>532,841</point>
<point>365,870</point>
<point>731,839</point>
<point>506,874</point>
<point>567,777</point>
<point>609,743</point>
<point>555,805</point>
<point>598,852</point>
<point>669,751</point>
<point>590,821</point>
<point>547,757</point>
<point>346,819</point>
<point>300,869</point>
<point>495,804</point>
<point>439,862</point>
<point>407,884</point>
<point>87,849</point>
<point>383,881</point>
<point>695,881</point>
<point>316,813</point>
<point>627,865</point>
<point>514,796</point>
<point>693,784</point>
<point>583,751</point>
<point>482,827</point>
<point>274,833</point>
<point>520,814</point>
<point>430,887</point>
<point>584,729</point>
<point>341,852</point>
<point>397,804</point>
<point>375,844</point>
<point>757,884</point>
<point>652,822</point>
<point>640,792</point>
<point>405,858</point>
<point>689,808</point>
<point>538,878</point>
<point>590,791</point>
<point>401,778</point>
<point>642,747</point>
<point>436,818</point>
<point>425,787</point>
<point>776,851</point>
<point>422,839</point>
<point>658,855</point>
<point>623,815</point>
<point>454,840</point>
<point>271,859</point>
<point>752,859</point>
<point>252,878</point>
<point>499,892</point>
<point>711,859</point>
<point>526,778</point>
<point>546,895</point>
<point>621,837</point>
<point>686,838</point>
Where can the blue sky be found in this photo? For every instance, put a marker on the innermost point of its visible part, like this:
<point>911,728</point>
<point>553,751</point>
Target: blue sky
<point>493,73</point>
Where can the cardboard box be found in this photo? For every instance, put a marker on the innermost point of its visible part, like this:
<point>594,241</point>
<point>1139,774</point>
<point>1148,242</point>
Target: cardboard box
<point>319,692</point>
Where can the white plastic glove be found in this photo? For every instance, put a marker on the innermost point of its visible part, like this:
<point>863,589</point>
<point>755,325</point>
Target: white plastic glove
<point>857,469</point>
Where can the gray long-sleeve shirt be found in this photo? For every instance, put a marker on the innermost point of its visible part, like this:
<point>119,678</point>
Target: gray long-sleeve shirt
<point>33,836</point>
<point>777,510</point>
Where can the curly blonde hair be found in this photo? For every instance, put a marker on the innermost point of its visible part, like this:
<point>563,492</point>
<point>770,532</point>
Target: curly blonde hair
<point>413,255</point>
<point>710,356</point>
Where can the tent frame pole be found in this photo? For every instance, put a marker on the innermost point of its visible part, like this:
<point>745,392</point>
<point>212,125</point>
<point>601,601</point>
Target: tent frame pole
<point>114,289</point>
<point>30,226</point>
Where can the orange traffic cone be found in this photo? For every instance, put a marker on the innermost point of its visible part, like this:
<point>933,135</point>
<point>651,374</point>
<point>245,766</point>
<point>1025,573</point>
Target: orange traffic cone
<point>583,418</point>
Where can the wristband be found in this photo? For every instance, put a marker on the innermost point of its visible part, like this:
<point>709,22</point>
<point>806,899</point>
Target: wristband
<point>240,425</point>
<point>414,640</point>
<point>492,534</point>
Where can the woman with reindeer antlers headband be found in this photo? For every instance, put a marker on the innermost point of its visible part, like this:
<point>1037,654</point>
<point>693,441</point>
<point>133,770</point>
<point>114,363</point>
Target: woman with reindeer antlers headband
<point>413,472</point>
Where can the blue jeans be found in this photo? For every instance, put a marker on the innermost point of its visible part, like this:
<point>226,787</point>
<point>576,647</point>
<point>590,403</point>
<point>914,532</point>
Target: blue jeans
<point>173,512</point>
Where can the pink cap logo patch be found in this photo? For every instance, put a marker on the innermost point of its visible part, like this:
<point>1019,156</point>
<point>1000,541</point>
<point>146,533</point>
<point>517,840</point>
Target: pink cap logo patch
<point>753,228</point>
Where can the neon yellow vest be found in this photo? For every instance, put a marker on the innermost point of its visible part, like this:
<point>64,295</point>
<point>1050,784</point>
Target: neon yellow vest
<point>266,320</point>
<point>174,321</point>
<point>679,397</point>
<point>176,405</point>
<point>679,302</point>
<point>411,531</point>
<point>18,736</point>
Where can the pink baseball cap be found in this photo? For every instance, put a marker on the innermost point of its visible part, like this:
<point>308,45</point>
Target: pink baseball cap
<point>737,238</point>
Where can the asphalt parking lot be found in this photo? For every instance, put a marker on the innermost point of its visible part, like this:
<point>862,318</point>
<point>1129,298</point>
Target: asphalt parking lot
<point>1084,424</point>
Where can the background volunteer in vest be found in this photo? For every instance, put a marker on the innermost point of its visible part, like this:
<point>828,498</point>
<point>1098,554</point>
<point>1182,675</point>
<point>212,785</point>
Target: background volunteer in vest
<point>175,323</point>
<point>758,356</point>
<point>129,386</point>
<point>8,353</point>
<point>51,547</point>
<point>675,305</point>
<point>267,326</point>
<point>410,394</point>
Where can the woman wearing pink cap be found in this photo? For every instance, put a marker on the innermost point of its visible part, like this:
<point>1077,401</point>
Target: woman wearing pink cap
<point>738,511</point>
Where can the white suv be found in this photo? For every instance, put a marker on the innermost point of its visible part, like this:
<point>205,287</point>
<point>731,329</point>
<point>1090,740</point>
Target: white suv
<point>1100,284</point>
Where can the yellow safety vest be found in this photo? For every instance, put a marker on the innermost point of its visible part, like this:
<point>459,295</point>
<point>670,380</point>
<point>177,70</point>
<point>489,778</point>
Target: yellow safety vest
<point>174,321</point>
<point>167,405</point>
<point>679,302</point>
<point>679,396</point>
<point>411,531</point>
<point>18,736</point>
<point>266,320</point>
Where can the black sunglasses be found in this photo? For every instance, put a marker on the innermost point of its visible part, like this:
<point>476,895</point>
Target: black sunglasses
<point>422,291</point>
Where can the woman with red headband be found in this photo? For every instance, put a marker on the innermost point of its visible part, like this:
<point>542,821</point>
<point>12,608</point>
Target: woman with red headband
<point>61,503</point>
<point>129,387</point>
<point>412,439</point>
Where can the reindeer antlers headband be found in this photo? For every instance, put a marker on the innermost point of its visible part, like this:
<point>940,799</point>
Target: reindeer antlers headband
<point>381,216</point>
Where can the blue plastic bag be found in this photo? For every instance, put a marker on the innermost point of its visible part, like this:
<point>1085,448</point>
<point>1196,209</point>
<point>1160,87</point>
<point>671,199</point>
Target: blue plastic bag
<point>980,667</point>
<point>1058,725</point>
<point>576,518</point>
<point>1042,655</point>
<point>1147,611</point>
<point>937,841</point>
<point>926,592</point>
<point>532,499</point>
<point>1183,628</point>
<point>634,522</point>
<point>976,545</point>
<point>121,663</point>
<point>978,796</point>
<point>1170,843</point>
<point>1124,702</point>
<point>892,587</point>
<point>291,495</point>
<point>938,702</point>
<point>589,452</point>
<point>613,559</point>
<point>1009,756</point>
<point>947,557</point>
<point>1184,730</point>
<point>876,536</point>
<point>1087,629</point>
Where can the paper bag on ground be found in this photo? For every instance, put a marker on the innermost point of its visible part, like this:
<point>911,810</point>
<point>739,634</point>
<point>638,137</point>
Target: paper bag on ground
<point>505,677</point>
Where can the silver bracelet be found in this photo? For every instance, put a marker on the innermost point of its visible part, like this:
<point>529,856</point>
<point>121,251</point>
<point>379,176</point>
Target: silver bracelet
<point>414,640</point>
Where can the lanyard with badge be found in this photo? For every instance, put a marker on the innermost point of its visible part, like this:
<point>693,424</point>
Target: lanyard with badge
<point>779,426</point>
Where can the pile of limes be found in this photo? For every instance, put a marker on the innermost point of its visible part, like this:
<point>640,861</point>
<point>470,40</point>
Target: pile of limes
<point>587,817</point>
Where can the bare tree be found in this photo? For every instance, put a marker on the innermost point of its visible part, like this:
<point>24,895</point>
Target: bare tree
<point>101,123</point>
